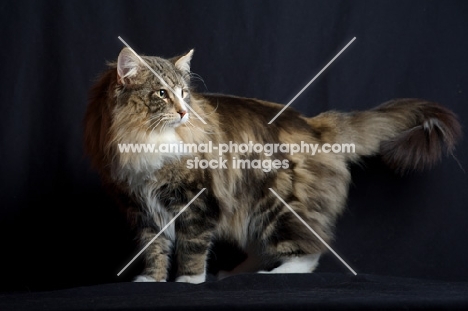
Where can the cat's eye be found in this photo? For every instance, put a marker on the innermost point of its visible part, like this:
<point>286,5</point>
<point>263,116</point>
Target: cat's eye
<point>161,93</point>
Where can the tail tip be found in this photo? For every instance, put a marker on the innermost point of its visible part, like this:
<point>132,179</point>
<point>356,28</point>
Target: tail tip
<point>421,146</point>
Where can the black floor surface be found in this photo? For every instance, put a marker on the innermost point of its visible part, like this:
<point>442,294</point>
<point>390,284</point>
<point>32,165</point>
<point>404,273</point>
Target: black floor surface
<point>320,291</point>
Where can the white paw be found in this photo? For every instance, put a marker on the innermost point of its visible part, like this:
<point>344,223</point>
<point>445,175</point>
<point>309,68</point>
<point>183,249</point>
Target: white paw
<point>146,278</point>
<point>287,268</point>
<point>300,264</point>
<point>194,279</point>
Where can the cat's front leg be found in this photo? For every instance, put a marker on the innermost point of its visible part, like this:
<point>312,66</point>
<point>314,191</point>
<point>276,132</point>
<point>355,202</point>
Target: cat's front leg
<point>156,257</point>
<point>194,239</point>
<point>192,255</point>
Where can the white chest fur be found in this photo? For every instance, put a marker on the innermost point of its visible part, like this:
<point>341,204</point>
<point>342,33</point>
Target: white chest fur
<point>140,154</point>
<point>136,168</point>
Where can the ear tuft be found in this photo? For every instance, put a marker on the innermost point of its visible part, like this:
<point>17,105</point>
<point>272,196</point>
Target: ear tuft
<point>128,66</point>
<point>183,63</point>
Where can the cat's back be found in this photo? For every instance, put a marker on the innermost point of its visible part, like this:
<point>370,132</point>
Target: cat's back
<point>251,113</point>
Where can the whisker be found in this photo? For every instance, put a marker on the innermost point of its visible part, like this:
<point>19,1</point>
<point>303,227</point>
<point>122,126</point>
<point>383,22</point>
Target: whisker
<point>189,128</point>
<point>154,120</point>
<point>196,76</point>
<point>154,127</point>
<point>163,127</point>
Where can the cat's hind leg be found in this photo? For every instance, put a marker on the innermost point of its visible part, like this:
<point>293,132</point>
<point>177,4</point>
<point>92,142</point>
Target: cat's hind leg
<point>288,241</point>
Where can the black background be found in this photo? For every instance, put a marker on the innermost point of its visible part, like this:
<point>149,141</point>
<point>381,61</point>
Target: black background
<point>59,229</point>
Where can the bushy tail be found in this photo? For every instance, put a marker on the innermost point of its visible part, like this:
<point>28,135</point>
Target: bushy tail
<point>408,133</point>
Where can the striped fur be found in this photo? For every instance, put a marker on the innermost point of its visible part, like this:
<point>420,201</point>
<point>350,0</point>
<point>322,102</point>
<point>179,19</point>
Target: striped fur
<point>237,204</point>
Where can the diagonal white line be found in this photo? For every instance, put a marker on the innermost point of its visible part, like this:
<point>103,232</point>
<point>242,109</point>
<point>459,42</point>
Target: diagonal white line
<point>313,79</point>
<point>162,80</point>
<point>313,231</point>
<point>162,230</point>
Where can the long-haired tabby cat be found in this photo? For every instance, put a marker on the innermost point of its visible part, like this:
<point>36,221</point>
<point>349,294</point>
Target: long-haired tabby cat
<point>131,105</point>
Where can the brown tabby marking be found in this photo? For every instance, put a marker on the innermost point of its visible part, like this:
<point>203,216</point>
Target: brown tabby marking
<point>127,106</point>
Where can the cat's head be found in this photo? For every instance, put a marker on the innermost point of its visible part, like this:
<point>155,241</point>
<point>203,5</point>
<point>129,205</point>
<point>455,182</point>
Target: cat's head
<point>132,104</point>
<point>153,90</point>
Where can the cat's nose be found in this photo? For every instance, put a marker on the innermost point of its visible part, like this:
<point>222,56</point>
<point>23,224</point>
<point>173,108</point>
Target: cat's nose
<point>182,113</point>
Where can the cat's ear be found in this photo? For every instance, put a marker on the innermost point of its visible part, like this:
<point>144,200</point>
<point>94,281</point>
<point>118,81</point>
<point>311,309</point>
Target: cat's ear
<point>128,66</point>
<point>183,62</point>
